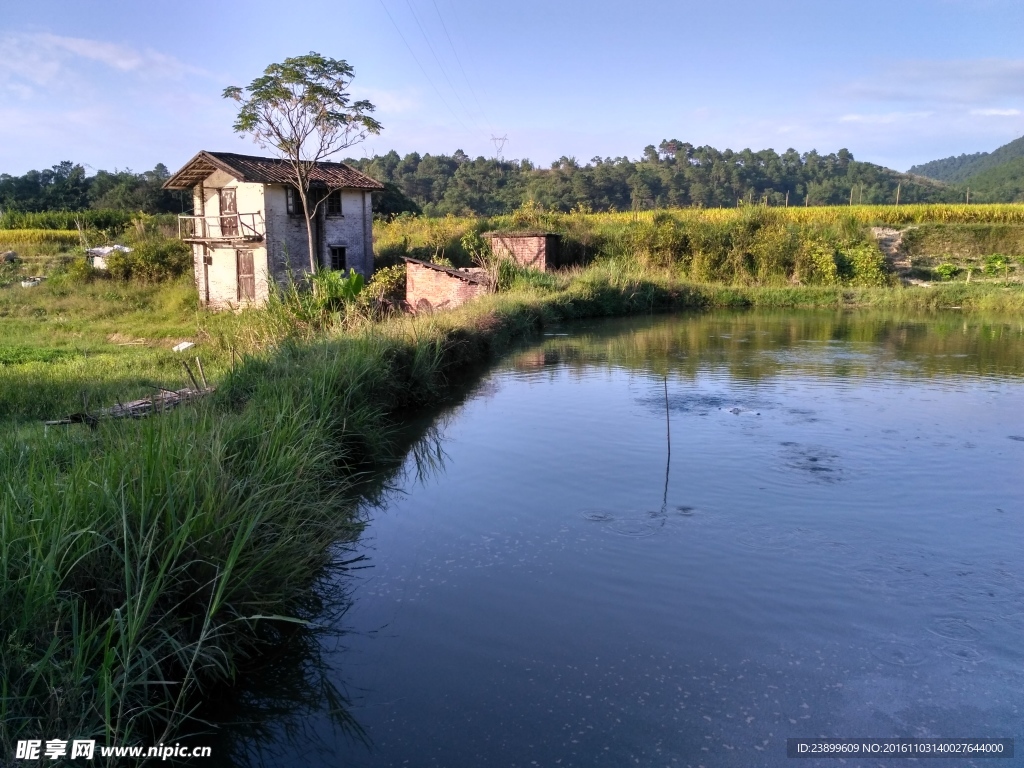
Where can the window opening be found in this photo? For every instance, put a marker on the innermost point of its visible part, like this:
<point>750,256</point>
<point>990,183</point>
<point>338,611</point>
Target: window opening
<point>338,258</point>
<point>334,203</point>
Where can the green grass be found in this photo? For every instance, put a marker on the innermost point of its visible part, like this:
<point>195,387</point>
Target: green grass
<point>64,344</point>
<point>144,562</point>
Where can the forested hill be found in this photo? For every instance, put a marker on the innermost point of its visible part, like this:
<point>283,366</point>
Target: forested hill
<point>673,174</point>
<point>960,169</point>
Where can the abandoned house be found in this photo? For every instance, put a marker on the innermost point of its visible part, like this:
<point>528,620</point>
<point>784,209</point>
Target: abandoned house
<point>536,250</point>
<point>431,286</point>
<point>247,226</point>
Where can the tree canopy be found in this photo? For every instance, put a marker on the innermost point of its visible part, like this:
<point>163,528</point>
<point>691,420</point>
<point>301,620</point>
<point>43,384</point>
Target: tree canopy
<point>66,187</point>
<point>301,110</point>
<point>674,173</point>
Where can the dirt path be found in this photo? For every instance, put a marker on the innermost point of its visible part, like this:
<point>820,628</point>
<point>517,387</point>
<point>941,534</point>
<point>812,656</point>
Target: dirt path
<point>890,241</point>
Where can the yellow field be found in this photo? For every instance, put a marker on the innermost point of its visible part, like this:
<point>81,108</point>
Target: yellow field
<point>12,238</point>
<point>439,234</point>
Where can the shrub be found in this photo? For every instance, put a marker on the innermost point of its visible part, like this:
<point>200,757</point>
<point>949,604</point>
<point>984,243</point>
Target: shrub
<point>79,270</point>
<point>151,261</point>
<point>386,285</point>
<point>997,263</point>
<point>865,264</point>
<point>947,271</point>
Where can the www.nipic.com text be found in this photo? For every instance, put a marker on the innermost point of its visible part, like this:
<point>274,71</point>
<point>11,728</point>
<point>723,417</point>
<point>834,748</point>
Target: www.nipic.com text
<point>52,749</point>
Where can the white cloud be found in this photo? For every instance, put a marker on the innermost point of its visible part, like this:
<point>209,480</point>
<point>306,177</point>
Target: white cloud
<point>996,112</point>
<point>885,118</point>
<point>963,81</point>
<point>45,60</point>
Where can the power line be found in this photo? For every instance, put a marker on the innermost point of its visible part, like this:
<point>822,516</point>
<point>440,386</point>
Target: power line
<point>459,60</point>
<point>438,60</point>
<point>414,58</point>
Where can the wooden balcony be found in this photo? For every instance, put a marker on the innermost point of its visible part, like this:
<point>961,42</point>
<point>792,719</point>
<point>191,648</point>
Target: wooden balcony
<point>229,228</point>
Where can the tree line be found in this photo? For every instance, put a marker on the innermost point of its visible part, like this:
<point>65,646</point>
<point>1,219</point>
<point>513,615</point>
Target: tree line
<point>66,187</point>
<point>675,173</point>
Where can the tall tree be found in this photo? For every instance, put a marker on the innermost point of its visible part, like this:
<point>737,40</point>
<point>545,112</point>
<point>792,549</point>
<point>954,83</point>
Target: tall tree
<point>301,110</point>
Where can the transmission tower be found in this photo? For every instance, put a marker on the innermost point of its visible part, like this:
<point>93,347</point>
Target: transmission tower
<point>499,144</point>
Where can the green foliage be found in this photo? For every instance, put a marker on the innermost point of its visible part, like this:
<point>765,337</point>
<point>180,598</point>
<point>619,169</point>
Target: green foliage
<point>66,220</point>
<point>65,189</point>
<point>323,301</point>
<point>675,174</point>
<point>151,260</point>
<point>967,167</point>
<point>79,270</point>
<point>386,285</point>
<point>301,109</point>
<point>996,263</point>
<point>392,202</point>
<point>947,271</point>
<point>864,264</point>
<point>310,95</point>
<point>333,288</point>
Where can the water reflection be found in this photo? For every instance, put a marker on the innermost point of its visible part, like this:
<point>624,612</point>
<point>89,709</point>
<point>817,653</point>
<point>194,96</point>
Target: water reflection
<point>681,540</point>
<point>293,700</point>
<point>754,346</point>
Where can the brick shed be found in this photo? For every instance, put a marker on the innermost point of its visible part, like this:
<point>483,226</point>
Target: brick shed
<point>431,286</point>
<point>537,250</point>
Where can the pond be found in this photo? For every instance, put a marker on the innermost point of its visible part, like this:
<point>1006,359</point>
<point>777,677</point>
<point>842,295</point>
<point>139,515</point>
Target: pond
<point>682,540</point>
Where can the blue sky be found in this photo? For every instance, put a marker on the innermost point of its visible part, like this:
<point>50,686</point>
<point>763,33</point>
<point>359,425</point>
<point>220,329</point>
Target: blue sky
<point>128,85</point>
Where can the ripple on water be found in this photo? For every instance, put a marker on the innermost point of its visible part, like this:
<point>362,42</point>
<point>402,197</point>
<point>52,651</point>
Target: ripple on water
<point>767,540</point>
<point>953,628</point>
<point>633,528</point>
<point>964,653</point>
<point>819,462</point>
<point>597,516</point>
<point>898,654</point>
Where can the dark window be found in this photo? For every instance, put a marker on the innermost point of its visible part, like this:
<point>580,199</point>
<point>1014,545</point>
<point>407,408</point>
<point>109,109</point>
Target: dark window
<point>338,258</point>
<point>294,201</point>
<point>334,203</point>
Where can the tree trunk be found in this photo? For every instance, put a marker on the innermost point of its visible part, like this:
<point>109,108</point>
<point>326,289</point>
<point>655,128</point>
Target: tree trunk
<point>314,267</point>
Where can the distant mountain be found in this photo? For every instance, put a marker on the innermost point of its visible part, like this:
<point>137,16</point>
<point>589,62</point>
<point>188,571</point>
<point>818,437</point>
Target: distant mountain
<point>1003,183</point>
<point>957,170</point>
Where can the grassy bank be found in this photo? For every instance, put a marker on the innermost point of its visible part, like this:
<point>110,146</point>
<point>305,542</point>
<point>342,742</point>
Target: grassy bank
<point>146,562</point>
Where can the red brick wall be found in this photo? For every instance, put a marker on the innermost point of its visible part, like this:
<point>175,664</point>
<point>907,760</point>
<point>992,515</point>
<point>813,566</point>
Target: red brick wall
<point>440,289</point>
<point>528,250</point>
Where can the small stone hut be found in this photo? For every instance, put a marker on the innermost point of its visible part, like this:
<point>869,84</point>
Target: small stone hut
<point>536,250</point>
<point>431,286</point>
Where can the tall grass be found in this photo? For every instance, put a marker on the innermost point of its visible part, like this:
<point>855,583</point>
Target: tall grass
<point>91,219</point>
<point>426,235</point>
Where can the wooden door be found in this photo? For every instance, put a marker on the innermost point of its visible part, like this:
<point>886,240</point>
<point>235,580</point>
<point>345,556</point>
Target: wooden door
<point>246,276</point>
<point>228,213</point>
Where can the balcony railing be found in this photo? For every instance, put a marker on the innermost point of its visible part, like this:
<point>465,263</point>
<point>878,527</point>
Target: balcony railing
<point>246,227</point>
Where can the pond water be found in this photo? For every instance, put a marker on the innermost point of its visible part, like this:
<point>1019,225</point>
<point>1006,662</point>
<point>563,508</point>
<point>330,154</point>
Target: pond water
<point>681,540</point>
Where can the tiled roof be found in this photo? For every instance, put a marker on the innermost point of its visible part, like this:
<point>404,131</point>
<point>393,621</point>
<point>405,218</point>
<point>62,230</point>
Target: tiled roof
<point>266,170</point>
